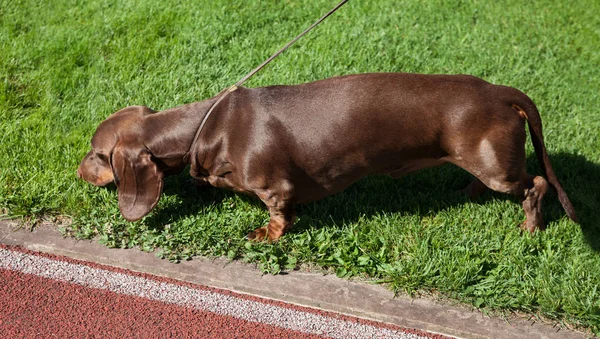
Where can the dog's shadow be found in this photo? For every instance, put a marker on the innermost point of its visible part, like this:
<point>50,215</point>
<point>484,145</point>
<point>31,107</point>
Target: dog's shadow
<point>581,180</point>
<point>422,192</point>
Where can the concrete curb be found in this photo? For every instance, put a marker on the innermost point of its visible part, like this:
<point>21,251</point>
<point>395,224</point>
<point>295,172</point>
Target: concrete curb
<point>306,289</point>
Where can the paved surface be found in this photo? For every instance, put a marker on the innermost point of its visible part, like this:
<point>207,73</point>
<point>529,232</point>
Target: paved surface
<point>327,293</point>
<point>45,295</point>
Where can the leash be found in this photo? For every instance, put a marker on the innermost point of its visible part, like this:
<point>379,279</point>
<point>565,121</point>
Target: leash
<point>221,95</point>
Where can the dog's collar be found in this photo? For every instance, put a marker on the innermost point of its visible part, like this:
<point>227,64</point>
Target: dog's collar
<point>220,97</point>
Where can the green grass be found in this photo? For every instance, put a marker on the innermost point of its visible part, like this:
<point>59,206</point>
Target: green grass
<point>67,65</point>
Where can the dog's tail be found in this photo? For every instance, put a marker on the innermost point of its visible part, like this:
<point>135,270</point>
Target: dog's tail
<point>527,109</point>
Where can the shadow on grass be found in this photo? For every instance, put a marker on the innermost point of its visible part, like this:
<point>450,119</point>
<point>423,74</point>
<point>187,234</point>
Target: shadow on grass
<point>581,180</point>
<point>423,192</point>
<point>192,199</point>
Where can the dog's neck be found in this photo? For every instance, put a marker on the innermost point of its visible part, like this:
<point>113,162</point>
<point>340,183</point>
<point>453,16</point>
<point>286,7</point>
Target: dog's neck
<point>168,134</point>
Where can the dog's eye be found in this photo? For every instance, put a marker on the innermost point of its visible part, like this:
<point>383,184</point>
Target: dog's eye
<point>115,176</point>
<point>102,157</point>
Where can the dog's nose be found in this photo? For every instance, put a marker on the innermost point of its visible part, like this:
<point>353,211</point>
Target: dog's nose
<point>78,173</point>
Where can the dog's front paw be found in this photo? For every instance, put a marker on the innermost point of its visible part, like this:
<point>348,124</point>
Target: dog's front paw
<point>258,234</point>
<point>262,234</point>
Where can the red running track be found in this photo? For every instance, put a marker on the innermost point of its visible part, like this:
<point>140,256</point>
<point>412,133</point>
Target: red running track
<point>44,296</point>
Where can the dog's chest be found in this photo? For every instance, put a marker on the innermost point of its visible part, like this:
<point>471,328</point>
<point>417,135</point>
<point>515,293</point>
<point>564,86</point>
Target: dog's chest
<point>219,175</point>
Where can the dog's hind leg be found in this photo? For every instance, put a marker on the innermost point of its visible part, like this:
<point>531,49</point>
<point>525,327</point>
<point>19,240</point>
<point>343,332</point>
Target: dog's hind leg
<point>475,189</point>
<point>529,189</point>
<point>498,162</point>
<point>535,190</point>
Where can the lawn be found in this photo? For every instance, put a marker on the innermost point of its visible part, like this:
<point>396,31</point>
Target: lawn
<point>65,65</point>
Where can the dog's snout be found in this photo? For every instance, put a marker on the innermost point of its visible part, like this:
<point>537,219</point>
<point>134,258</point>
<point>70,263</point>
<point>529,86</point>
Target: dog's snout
<point>79,173</point>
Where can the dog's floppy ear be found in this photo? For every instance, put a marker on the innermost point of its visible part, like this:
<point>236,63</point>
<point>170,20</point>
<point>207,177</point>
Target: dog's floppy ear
<point>138,179</point>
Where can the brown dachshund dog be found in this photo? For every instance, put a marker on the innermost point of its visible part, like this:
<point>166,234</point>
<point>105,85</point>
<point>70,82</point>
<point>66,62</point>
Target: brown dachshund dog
<point>295,144</point>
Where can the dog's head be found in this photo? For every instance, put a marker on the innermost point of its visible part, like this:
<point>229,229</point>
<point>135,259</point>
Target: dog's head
<point>119,155</point>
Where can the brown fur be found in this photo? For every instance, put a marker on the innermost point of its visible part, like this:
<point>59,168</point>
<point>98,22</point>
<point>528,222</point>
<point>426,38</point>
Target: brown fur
<point>295,144</point>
